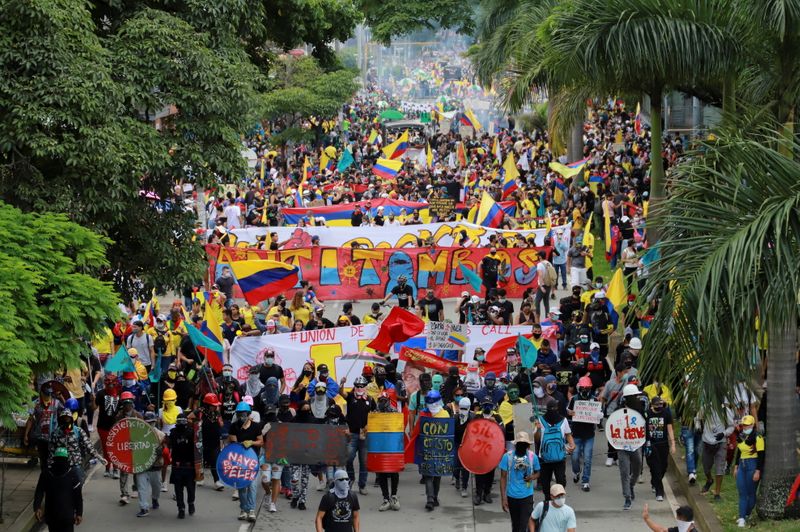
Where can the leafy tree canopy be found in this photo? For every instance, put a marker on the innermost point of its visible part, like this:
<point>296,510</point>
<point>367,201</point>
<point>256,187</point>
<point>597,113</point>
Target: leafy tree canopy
<point>50,296</point>
<point>390,19</point>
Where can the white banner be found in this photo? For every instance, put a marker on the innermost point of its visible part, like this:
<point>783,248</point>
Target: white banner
<point>587,412</point>
<point>444,234</point>
<point>439,335</point>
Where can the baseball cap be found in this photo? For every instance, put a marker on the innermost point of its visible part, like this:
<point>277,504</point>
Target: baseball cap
<point>556,490</point>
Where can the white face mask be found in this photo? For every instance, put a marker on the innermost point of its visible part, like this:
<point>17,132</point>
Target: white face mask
<point>684,526</point>
<point>538,392</point>
<point>463,413</point>
<point>435,408</point>
<point>559,501</point>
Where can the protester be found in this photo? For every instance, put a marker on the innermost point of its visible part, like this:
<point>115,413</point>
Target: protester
<point>685,520</point>
<point>245,431</point>
<point>182,446</point>
<point>148,482</point>
<point>59,488</point>
<point>518,470</point>
<point>749,460</point>
<point>582,435</point>
<point>660,443</point>
<point>339,509</point>
<point>553,514</point>
<point>359,405</point>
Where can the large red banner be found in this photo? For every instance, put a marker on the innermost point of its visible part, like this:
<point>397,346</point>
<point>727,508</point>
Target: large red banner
<point>343,273</point>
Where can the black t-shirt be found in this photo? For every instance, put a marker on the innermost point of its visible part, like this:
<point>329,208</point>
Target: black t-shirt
<point>338,512</point>
<point>229,331</point>
<point>225,285</point>
<point>507,311</point>
<point>270,371</point>
<point>250,433</point>
<point>405,294</point>
<point>657,426</point>
<point>580,430</point>
<point>432,308</point>
<point>107,406</point>
<point>357,412</point>
<point>188,350</point>
<point>489,267</point>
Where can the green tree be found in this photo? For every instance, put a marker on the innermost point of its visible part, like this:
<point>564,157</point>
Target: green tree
<point>729,253</point>
<point>50,296</point>
<point>391,19</point>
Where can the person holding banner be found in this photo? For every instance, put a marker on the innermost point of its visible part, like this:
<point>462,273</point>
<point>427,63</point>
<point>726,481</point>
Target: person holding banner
<point>390,501</point>
<point>483,482</point>
<point>434,407</point>
<point>583,433</point>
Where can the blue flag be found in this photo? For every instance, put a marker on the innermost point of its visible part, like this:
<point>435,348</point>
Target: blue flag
<point>120,362</point>
<point>527,351</point>
<point>472,278</point>
<point>201,340</point>
<point>345,161</point>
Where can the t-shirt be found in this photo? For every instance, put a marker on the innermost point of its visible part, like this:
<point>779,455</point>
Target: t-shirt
<point>338,512</point>
<point>270,371</point>
<point>106,409</point>
<point>518,468</point>
<point>232,213</point>
<point>657,426</point>
<point>557,519</point>
<point>489,266</point>
<point>404,295</point>
<point>432,308</point>
<point>746,451</point>
<point>303,313</point>
<point>142,344</point>
<point>357,412</point>
<point>250,433</point>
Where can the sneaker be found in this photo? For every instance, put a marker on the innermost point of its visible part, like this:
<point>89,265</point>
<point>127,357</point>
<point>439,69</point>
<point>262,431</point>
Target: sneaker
<point>464,493</point>
<point>123,500</point>
<point>251,516</point>
<point>385,505</point>
<point>288,493</point>
<point>301,505</point>
<point>155,504</point>
<point>107,473</point>
<point>235,495</point>
<point>164,488</point>
<point>191,509</point>
<point>476,500</point>
<point>660,498</point>
<point>115,474</point>
<point>692,479</point>
<point>627,505</point>
<point>181,514</point>
<point>200,482</point>
<point>143,513</point>
<point>706,487</point>
<point>429,506</point>
<point>91,428</point>
<point>717,497</point>
<point>242,516</point>
<point>134,494</point>
<point>395,503</point>
<point>609,462</point>
<point>741,523</point>
<point>219,486</point>
<point>93,461</point>
<point>585,486</point>
<point>272,507</point>
<point>293,504</point>
<point>487,498</point>
<point>362,491</point>
<point>575,478</point>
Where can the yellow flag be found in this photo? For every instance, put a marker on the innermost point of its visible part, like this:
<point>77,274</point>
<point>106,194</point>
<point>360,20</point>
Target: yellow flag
<point>617,293</point>
<point>588,229</point>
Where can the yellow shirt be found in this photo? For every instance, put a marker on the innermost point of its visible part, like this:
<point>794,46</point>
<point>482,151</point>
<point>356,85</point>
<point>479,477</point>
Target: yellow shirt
<point>506,411</point>
<point>369,318</point>
<point>303,313</point>
<point>75,387</point>
<point>652,391</point>
<point>175,338</point>
<point>442,413</point>
<point>171,349</point>
<point>745,451</point>
<point>104,341</point>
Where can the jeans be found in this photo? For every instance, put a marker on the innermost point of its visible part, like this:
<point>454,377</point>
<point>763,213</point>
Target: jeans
<point>432,488</point>
<point>247,496</point>
<point>520,511</point>
<point>183,478</point>
<point>583,447</point>
<point>630,467</point>
<point>562,270</point>
<point>691,441</point>
<point>657,462</point>
<point>746,486</point>
<point>559,469</point>
<point>542,295</point>
<point>149,484</point>
<point>357,446</point>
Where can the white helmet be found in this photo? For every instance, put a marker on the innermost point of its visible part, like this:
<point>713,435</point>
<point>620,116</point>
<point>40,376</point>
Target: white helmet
<point>635,343</point>
<point>630,389</point>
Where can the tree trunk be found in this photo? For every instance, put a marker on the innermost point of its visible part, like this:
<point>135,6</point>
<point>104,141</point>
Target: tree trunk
<point>783,422</point>
<point>575,147</point>
<point>728,98</point>
<point>657,176</point>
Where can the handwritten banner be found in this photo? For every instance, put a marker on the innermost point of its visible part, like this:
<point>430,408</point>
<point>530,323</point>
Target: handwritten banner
<point>482,447</point>
<point>237,466</point>
<point>625,429</point>
<point>306,443</point>
<point>132,445</point>
<point>587,412</point>
<point>444,234</point>
<point>342,273</point>
<point>446,335</point>
<point>435,449</point>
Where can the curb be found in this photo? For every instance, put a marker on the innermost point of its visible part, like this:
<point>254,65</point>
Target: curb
<point>704,516</point>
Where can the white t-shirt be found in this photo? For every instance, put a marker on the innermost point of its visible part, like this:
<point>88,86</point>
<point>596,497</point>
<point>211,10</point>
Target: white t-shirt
<point>541,272</point>
<point>232,213</point>
<point>557,519</point>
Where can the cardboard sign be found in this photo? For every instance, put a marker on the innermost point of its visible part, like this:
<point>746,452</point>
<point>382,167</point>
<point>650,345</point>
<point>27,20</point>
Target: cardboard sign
<point>306,443</point>
<point>524,420</point>
<point>385,442</point>
<point>237,466</point>
<point>588,412</point>
<point>625,429</point>
<point>482,447</point>
<point>444,335</point>
<point>435,449</point>
<point>132,445</point>
<point>442,207</point>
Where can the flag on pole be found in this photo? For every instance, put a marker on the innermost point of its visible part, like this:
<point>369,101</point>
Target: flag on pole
<point>472,278</point>
<point>120,363</point>
<point>489,213</point>
<point>461,154</point>
<point>617,293</point>
<point>151,310</point>
<point>399,326</point>
<point>637,122</point>
<point>345,161</point>
<point>496,150</point>
<point>469,119</point>
<point>262,279</point>
<point>396,149</point>
<point>373,137</point>
<point>510,175</point>
<point>387,168</point>
<point>527,351</point>
<point>213,330</point>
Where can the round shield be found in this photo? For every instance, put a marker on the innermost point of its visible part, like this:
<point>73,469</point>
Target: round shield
<point>132,445</point>
<point>483,446</point>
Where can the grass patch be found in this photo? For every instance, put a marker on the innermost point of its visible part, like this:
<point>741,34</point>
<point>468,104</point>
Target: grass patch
<point>727,510</point>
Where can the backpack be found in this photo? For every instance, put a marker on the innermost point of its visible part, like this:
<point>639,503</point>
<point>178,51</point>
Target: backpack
<point>552,275</point>
<point>552,449</point>
<point>538,522</point>
<point>160,343</point>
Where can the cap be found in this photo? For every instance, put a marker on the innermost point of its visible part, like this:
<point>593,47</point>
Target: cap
<point>243,407</point>
<point>599,295</point>
<point>594,345</point>
<point>323,368</point>
<point>523,437</point>
<point>66,412</point>
<point>549,378</point>
<point>128,375</point>
<point>464,293</point>
<point>126,396</point>
<point>748,420</point>
<point>635,343</point>
<point>150,417</point>
<point>555,311</point>
<point>490,375</point>
<point>556,490</point>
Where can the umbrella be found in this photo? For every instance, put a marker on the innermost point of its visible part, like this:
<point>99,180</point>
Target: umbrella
<point>392,114</point>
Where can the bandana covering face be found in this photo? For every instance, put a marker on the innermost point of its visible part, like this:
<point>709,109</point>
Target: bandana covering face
<point>170,412</point>
<point>341,488</point>
<point>253,385</point>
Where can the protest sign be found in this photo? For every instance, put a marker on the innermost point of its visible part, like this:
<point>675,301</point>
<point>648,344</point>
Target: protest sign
<point>441,207</point>
<point>625,429</point>
<point>482,447</point>
<point>445,335</point>
<point>237,466</point>
<point>435,448</point>
<point>132,445</point>
<point>385,442</point>
<point>587,412</point>
<point>306,443</point>
<point>524,418</point>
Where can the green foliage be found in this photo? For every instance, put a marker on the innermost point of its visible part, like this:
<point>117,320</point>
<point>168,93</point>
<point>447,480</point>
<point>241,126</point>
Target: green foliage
<point>50,296</point>
<point>391,19</point>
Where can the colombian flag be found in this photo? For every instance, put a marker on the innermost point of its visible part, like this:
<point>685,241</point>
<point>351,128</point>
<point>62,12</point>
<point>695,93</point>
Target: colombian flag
<point>469,119</point>
<point>396,149</point>
<point>385,442</point>
<point>489,214</point>
<point>213,330</point>
<point>510,175</point>
<point>373,137</point>
<point>457,338</point>
<point>387,168</point>
<point>262,279</point>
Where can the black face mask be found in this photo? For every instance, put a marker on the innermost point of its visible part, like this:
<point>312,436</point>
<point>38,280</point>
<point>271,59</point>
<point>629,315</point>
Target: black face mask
<point>537,335</point>
<point>521,448</point>
<point>60,466</point>
<point>380,380</point>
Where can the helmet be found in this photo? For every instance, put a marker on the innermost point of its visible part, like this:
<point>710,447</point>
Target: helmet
<point>629,390</point>
<point>243,407</point>
<point>585,382</point>
<point>126,396</point>
<point>72,404</point>
<point>748,420</point>
<point>402,279</point>
<point>360,382</point>
<point>432,397</point>
<point>170,395</point>
<point>66,413</point>
<point>635,343</point>
<point>211,399</point>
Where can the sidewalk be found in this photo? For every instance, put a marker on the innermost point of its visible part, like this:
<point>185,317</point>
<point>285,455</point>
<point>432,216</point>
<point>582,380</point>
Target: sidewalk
<point>20,485</point>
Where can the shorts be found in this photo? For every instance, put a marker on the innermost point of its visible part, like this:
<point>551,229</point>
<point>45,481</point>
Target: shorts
<point>715,453</point>
<point>271,472</point>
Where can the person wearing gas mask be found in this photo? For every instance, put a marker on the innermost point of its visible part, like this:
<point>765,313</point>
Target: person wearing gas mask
<point>247,432</point>
<point>323,375</point>
<point>339,508</point>
<point>555,443</point>
<point>72,437</point>
<point>270,369</point>
<point>553,514</point>
<point>490,391</point>
<point>483,482</point>
<point>390,501</point>
<point>182,445</point>
<point>660,443</point>
<point>463,415</point>
<point>434,407</point>
<point>519,468</point>
<point>506,412</point>
<point>60,488</point>
<point>582,435</point>
<point>359,405</point>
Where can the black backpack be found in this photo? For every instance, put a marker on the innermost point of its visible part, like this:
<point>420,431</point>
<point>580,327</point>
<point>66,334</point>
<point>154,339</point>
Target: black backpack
<point>160,343</point>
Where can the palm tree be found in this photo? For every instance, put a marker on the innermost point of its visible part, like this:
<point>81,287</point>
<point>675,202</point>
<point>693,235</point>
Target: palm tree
<point>730,255</point>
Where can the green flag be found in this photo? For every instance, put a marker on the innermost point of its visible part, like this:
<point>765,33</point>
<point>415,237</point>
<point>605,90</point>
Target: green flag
<point>345,161</point>
<point>201,340</point>
<point>120,362</point>
<point>527,351</point>
<point>472,278</point>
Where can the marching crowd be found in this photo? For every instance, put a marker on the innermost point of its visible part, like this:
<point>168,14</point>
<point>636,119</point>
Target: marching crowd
<point>189,406</point>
